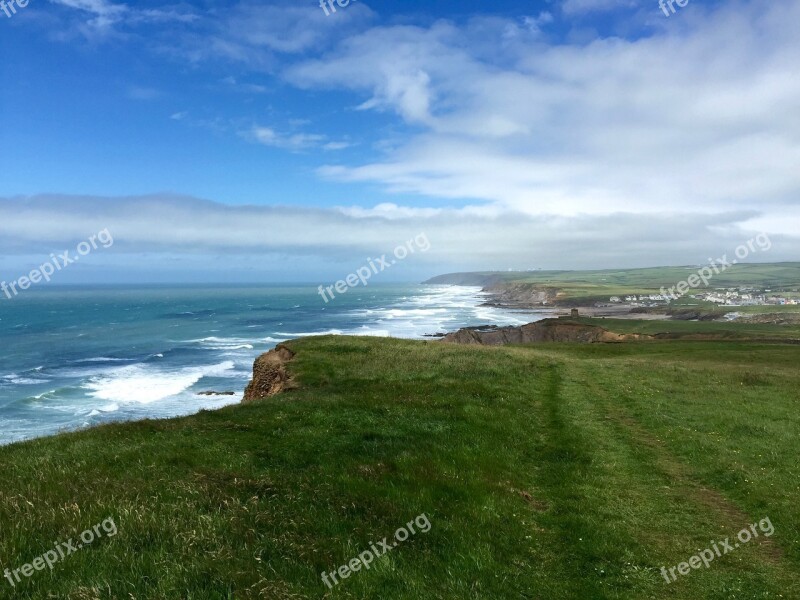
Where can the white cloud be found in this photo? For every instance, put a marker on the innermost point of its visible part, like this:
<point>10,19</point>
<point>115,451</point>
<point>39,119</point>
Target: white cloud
<point>471,238</point>
<point>97,7</point>
<point>698,116</point>
<point>535,24</point>
<point>291,141</point>
<point>259,35</point>
<point>331,146</point>
<point>287,28</point>
<point>105,15</point>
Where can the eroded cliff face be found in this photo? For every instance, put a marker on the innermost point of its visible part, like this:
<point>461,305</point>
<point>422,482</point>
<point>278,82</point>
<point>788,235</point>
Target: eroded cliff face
<point>548,330</point>
<point>522,295</point>
<point>270,376</point>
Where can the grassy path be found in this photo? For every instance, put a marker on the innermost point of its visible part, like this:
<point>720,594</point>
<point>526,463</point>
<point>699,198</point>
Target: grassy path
<point>656,497</point>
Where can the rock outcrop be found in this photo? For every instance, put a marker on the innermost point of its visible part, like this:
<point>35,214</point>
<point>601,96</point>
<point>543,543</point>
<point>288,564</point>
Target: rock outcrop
<point>548,330</point>
<point>270,376</point>
<point>522,295</point>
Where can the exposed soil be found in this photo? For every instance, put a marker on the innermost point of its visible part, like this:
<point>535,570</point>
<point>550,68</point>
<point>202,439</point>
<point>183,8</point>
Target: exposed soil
<point>270,376</point>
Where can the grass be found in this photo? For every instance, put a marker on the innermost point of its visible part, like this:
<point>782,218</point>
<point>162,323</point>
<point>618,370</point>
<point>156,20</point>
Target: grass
<point>726,329</point>
<point>547,472</point>
<point>582,287</point>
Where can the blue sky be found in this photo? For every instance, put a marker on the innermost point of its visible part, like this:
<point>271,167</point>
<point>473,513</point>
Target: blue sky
<point>553,133</point>
<point>136,107</point>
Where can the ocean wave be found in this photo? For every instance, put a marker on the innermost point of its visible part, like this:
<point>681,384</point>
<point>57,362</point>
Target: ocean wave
<point>310,333</point>
<point>143,384</point>
<point>401,313</point>
<point>218,343</point>
<point>15,379</point>
<point>108,408</point>
<point>102,359</point>
<point>433,309</point>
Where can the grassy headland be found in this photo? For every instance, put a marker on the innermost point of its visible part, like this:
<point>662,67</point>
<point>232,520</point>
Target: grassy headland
<point>583,288</point>
<point>558,471</point>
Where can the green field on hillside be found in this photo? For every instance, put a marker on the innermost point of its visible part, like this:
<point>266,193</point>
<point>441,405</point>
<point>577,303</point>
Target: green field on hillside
<point>602,284</point>
<point>726,329</point>
<point>546,472</point>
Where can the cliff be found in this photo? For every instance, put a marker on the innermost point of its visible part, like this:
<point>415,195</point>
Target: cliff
<point>270,376</point>
<point>523,295</point>
<point>548,330</point>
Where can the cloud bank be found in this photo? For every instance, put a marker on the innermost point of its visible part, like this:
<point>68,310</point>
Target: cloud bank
<point>194,239</point>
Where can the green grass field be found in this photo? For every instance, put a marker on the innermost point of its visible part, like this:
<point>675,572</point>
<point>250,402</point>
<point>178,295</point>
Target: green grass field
<point>592,286</point>
<point>548,472</point>
<point>741,330</point>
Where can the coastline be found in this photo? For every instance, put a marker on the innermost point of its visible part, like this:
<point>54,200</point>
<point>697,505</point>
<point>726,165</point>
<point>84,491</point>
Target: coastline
<point>607,312</point>
<point>147,375</point>
<point>508,296</point>
<point>175,352</point>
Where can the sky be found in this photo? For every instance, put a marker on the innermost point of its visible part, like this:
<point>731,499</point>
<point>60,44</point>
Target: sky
<point>284,141</point>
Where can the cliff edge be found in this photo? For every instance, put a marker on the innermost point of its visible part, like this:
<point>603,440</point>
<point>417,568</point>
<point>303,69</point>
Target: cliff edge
<point>547,330</point>
<point>270,376</point>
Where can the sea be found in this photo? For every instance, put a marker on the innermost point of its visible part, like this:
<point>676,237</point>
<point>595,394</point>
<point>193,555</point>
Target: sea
<point>72,358</point>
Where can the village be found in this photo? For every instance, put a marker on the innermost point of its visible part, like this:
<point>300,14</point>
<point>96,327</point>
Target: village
<point>743,296</point>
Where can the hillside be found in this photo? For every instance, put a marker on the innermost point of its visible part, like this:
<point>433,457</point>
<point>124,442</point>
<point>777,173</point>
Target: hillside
<point>582,288</point>
<point>550,472</point>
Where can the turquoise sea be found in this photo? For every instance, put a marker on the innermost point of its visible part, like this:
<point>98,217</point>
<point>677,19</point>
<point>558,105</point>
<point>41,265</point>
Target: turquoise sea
<point>77,357</point>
